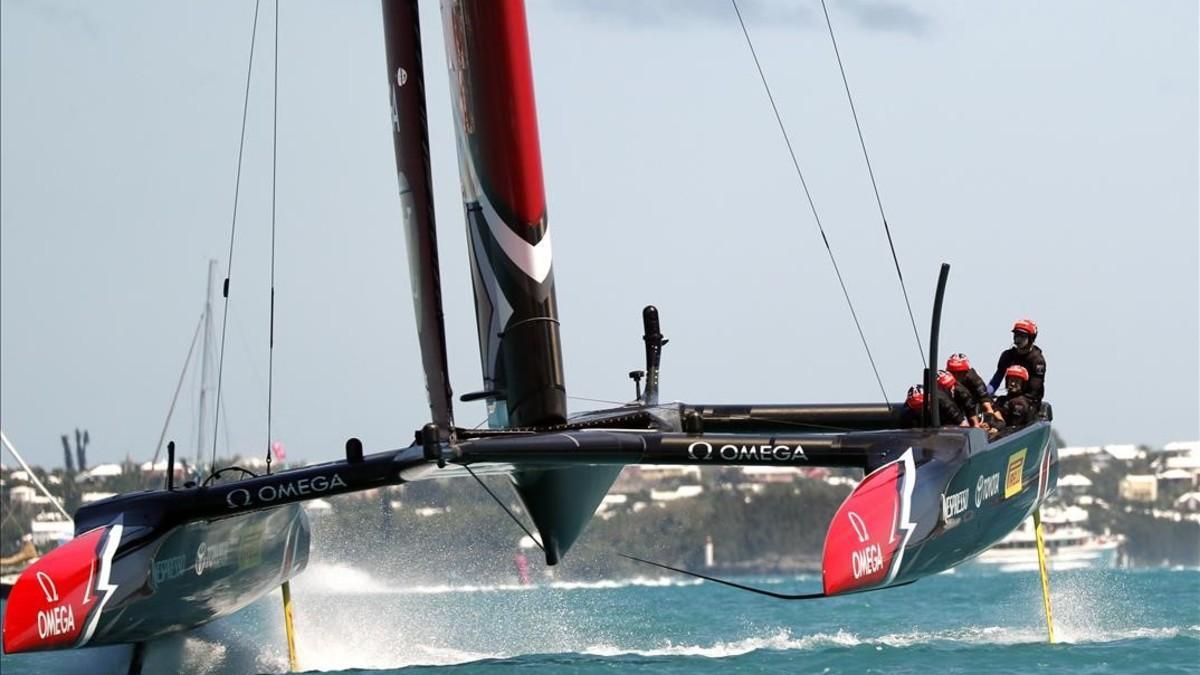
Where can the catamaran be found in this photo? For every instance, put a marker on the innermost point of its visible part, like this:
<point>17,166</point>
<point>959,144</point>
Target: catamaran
<point>146,565</point>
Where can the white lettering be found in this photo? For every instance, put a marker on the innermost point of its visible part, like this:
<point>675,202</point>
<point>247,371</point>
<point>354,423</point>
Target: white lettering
<point>55,621</point>
<point>700,450</point>
<point>755,453</point>
<point>954,504</point>
<point>238,497</point>
<point>867,561</point>
<point>211,557</point>
<point>986,488</point>
<point>303,487</point>
<point>168,568</point>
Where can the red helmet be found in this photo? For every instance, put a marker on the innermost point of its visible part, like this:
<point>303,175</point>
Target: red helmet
<point>958,363</point>
<point>1018,372</point>
<point>1026,326</point>
<point>946,381</point>
<point>916,398</point>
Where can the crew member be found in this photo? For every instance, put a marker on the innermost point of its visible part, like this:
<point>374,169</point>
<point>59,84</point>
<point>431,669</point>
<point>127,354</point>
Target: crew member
<point>960,397</point>
<point>1018,406</point>
<point>1027,355</point>
<point>960,367</point>
<point>912,417</point>
<point>914,404</point>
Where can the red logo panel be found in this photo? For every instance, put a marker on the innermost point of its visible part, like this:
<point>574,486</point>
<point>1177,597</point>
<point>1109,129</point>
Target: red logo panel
<point>867,535</point>
<point>49,605</point>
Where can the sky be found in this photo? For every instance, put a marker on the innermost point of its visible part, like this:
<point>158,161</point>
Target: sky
<point>1047,151</point>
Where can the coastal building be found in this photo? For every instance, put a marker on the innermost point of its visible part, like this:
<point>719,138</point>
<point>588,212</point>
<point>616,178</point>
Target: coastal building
<point>1189,501</point>
<point>89,497</point>
<point>681,492</point>
<point>1074,485</point>
<point>770,474</point>
<point>1141,488</point>
<point>49,529</point>
<point>22,494</point>
<point>101,471</point>
<point>610,505</point>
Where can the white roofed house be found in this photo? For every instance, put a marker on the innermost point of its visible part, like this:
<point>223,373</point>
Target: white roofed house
<point>1074,485</point>
<point>681,492</point>
<point>51,528</point>
<point>1124,453</point>
<point>22,494</point>
<point>770,474</point>
<point>100,471</point>
<point>1179,455</point>
<point>1174,483</point>
<point>1188,502</point>
<point>1139,489</point>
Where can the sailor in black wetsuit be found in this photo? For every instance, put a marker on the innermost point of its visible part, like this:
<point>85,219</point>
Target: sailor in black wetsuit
<point>959,397</point>
<point>961,369</point>
<point>910,416</point>
<point>1018,407</point>
<point>1025,354</point>
<point>949,414</point>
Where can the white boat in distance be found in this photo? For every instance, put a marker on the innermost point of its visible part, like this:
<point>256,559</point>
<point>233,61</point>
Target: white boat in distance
<point>1069,545</point>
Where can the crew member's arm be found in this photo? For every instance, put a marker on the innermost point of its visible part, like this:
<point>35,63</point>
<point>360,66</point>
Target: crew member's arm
<point>1001,366</point>
<point>1037,377</point>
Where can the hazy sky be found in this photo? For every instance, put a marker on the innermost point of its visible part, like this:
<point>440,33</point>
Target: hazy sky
<point>1048,151</point>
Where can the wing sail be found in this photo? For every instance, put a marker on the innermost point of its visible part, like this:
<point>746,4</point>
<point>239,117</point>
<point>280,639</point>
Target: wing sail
<point>410,135</point>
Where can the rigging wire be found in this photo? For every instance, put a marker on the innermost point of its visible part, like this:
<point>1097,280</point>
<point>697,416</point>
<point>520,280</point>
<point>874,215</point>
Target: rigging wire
<point>812,205</point>
<point>274,156</point>
<point>232,232</point>
<point>504,506</point>
<point>874,185</point>
<point>175,399</point>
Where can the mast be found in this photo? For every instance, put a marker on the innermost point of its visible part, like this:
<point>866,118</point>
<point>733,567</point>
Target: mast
<point>491,79</point>
<point>410,137</point>
<point>500,164</point>
<point>205,366</point>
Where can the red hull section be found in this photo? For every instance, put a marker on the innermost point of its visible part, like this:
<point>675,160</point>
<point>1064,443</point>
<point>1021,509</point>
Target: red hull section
<point>867,535</point>
<point>54,602</point>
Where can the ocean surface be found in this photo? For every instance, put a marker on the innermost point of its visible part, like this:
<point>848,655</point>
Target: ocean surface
<point>1107,621</point>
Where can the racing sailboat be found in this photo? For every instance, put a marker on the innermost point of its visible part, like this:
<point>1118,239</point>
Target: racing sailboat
<point>148,564</point>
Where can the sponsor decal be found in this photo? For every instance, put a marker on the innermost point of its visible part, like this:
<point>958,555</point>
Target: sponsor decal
<point>267,494</point>
<point>57,601</point>
<point>986,488</point>
<point>210,557</point>
<point>705,451</point>
<point>864,546</point>
<point>867,561</point>
<point>250,548</point>
<point>860,528</point>
<point>1013,476</point>
<point>169,568</point>
<point>954,504</point>
<point>56,621</point>
<point>48,586</point>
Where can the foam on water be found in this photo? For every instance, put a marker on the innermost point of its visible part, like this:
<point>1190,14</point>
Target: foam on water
<point>784,640</point>
<point>341,579</point>
<point>343,622</point>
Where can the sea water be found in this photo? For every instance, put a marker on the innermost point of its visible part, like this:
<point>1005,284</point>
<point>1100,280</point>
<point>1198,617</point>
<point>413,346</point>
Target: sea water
<point>1106,621</point>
